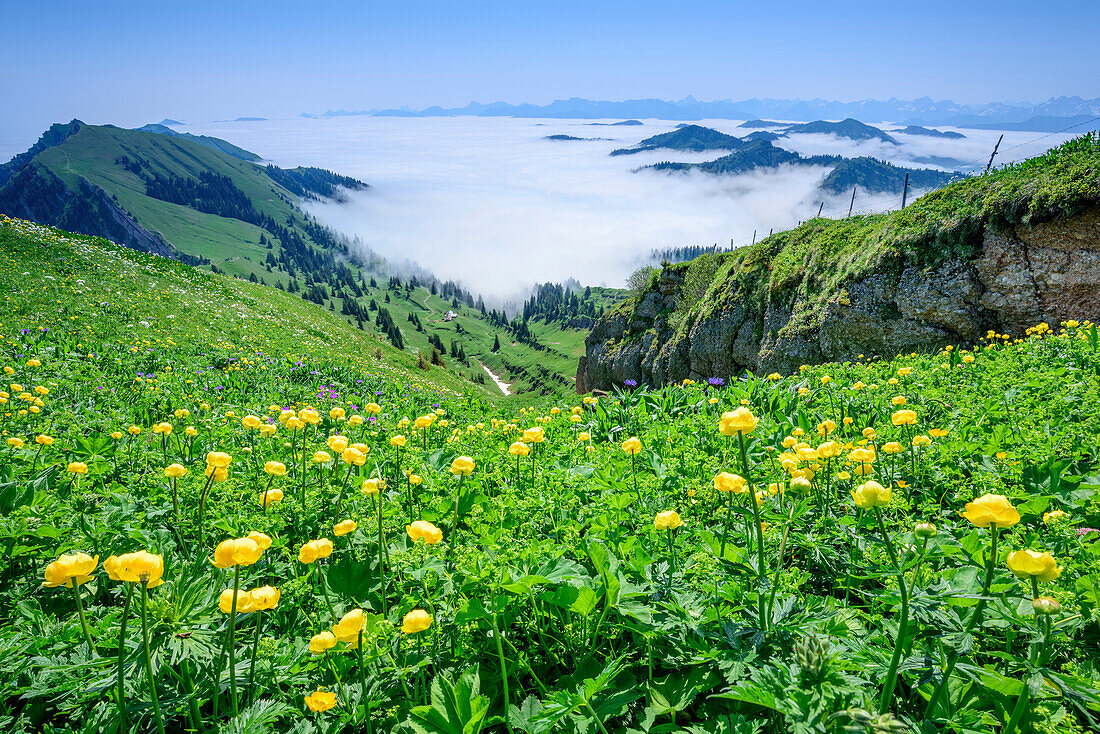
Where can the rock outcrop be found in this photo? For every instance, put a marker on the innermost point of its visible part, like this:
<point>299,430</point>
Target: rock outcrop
<point>1018,277</point>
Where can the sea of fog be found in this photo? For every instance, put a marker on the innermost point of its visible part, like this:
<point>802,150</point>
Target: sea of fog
<point>492,203</point>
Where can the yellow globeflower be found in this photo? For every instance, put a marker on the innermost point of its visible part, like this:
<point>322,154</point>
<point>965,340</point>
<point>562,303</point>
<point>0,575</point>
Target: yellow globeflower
<point>175,471</point>
<point>463,466</point>
<point>265,597</point>
<point>740,421</point>
<point>219,459</point>
<point>320,700</point>
<point>337,443</point>
<point>353,456</point>
<point>991,509</point>
<point>344,527</point>
<point>321,642</point>
<point>726,482</point>
<point>44,440</point>
<point>416,621</point>
<point>321,457</point>
<point>15,443</point>
<point>245,602</point>
<point>336,414</point>
<point>668,520</point>
<point>275,468</point>
<point>632,445</point>
<point>350,625</point>
<point>237,552</point>
<point>314,550</point>
<point>272,496</point>
<point>871,494</point>
<point>904,418</point>
<point>251,422</point>
<point>397,441</point>
<point>829,450</point>
<point>163,428</point>
<point>1028,564</point>
<point>70,570</point>
<point>584,436</point>
<point>415,479</point>
<point>892,447</point>
<point>310,416</point>
<point>536,434</point>
<point>77,467</point>
<point>424,530</point>
<point>133,430</point>
<point>519,448</point>
<point>372,486</point>
<point>139,567</point>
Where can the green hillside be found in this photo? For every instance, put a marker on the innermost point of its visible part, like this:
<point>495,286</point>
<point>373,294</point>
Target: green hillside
<point>187,198</point>
<point>110,297</point>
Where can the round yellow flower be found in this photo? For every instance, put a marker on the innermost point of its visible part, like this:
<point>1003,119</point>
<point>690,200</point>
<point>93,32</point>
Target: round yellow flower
<point>251,422</point>
<point>892,447</point>
<point>353,456</point>
<point>44,440</point>
<point>265,597</point>
<point>219,459</point>
<point>991,509</point>
<point>534,435</point>
<point>904,418</point>
<point>336,414</point>
<point>275,468</point>
<point>397,440</point>
<point>321,457</point>
<point>245,602</point>
<point>319,700</point>
<point>423,530</point>
<point>632,445</point>
<point>416,621</point>
<point>668,520</point>
<point>337,443</point>
<point>15,443</point>
<point>726,482</point>
<point>314,550</point>
<point>344,527</point>
<point>68,570</point>
<point>740,421</point>
<point>1028,564</point>
<point>463,466</point>
<point>371,487</point>
<point>321,642</point>
<point>350,625</point>
<point>77,467</point>
<point>272,496</point>
<point>584,436</point>
<point>175,471</point>
<point>871,494</point>
<point>238,552</point>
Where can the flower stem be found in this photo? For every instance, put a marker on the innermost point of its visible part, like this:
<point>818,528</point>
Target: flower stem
<point>974,620</point>
<point>761,570</point>
<point>123,721</point>
<point>503,672</point>
<point>148,658</point>
<point>232,645</point>
<point>903,622</point>
<point>80,613</point>
<point>255,649</point>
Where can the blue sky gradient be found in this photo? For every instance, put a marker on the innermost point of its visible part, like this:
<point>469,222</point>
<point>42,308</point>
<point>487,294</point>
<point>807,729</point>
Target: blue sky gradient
<point>135,62</point>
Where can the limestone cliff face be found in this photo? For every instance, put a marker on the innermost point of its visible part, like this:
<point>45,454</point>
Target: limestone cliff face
<point>1016,279</point>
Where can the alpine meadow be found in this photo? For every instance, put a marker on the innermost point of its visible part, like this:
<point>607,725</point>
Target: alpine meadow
<point>336,403</point>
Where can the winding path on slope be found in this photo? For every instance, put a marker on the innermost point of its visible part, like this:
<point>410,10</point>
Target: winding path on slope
<point>500,383</point>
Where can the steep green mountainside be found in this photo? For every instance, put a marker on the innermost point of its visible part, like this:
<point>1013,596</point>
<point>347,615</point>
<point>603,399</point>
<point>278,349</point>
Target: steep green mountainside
<point>184,198</point>
<point>849,128</point>
<point>215,143</point>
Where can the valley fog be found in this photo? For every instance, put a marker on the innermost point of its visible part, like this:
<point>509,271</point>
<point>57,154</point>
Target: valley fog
<point>493,204</point>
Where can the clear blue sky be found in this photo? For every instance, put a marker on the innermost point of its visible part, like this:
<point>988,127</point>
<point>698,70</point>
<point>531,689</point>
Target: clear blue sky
<point>136,62</point>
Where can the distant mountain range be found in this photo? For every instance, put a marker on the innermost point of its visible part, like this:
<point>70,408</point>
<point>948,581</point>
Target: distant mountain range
<point>1053,114</point>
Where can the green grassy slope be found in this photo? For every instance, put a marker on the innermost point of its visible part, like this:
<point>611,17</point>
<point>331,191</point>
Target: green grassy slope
<point>115,298</point>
